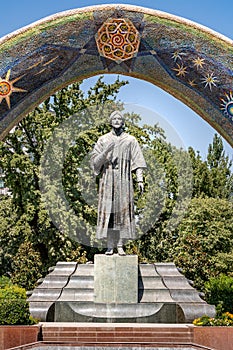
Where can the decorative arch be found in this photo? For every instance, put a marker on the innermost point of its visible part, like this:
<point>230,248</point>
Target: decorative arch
<point>189,61</point>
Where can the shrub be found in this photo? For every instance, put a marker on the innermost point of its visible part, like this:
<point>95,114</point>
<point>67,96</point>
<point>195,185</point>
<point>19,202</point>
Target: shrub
<point>26,266</point>
<point>226,319</point>
<point>14,308</point>
<point>219,291</point>
<point>5,281</point>
<point>203,242</point>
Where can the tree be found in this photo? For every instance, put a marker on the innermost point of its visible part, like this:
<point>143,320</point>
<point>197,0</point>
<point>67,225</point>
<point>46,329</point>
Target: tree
<point>203,247</point>
<point>45,153</point>
<point>27,266</point>
<point>220,170</point>
<point>212,177</point>
<point>169,198</point>
<point>25,216</point>
<point>219,291</point>
<point>201,175</point>
<point>52,211</point>
<point>10,235</point>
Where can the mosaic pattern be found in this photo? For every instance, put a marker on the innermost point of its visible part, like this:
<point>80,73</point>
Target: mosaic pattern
<point>7,88</point>
<point>32,71</point>
<point>193,64</point>
<point>227,104</point>
<point>202,75</point>
<point>118,39</point>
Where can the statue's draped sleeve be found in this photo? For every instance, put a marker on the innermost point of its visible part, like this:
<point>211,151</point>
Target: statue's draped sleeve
<point>138,161</point>
<point>98,157</point>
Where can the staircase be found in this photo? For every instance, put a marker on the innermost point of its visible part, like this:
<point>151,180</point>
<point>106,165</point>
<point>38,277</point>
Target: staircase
<point>123,334</point>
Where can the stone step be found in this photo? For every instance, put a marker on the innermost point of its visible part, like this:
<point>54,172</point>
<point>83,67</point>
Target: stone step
<point>184,296</point>
<point>167,269</point>
<point>148,270</point>
<point>81,282</point>
<point>63,268</point>
<point>160,285</point>
<point>153,296</point>
<point>113,333</point>
<point>150,282</point>
<point>77,294</point>
<point>84,270</point>
<point>176,282</point>
<point>53,282</point>
<point>50,289</point>
<point>40,295</point>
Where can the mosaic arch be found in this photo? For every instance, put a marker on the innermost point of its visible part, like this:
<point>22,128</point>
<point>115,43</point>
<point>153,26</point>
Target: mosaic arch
<point>189,61</point>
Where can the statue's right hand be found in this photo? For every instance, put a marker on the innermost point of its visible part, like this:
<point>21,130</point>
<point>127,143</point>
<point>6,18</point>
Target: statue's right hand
<point>109,147</point>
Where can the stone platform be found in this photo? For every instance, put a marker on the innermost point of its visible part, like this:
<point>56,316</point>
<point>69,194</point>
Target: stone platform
<point>93,293</point>
<point>124,334</point>
<point>115,336</point>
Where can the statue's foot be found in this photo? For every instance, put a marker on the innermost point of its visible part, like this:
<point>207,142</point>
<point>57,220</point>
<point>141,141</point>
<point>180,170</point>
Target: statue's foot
<point>120,251</point>
<point>109,251</point>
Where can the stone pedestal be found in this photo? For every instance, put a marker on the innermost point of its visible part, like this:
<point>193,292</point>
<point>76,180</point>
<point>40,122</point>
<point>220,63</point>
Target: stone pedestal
<point>117,289</point>
<point>116,279</point>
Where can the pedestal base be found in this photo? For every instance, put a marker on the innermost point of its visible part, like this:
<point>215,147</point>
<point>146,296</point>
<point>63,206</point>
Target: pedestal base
<point>118,313</point>
<point>116,279</point>
<point>164,295</point>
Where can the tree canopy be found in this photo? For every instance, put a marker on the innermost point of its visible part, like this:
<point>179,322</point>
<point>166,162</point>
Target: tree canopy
<point>51,213</point>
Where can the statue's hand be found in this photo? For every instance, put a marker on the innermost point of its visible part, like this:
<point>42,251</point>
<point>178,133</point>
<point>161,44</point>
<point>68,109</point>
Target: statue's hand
<point>141,187</point>
<point>109,148</point>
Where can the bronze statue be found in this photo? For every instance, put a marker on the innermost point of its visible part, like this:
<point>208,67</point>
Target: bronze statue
<point>115,155</point>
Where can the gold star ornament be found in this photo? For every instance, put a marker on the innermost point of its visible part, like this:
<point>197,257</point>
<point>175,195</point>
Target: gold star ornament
<point>7,88</point>
<point>210,80</point>
<point>198,62</point>
<point>181,70</point>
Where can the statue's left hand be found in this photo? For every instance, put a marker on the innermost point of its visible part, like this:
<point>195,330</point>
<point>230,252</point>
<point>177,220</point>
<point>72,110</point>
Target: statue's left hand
<point>141,187</point>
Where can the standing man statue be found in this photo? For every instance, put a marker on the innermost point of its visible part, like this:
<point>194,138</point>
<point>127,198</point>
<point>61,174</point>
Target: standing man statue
<point>114,157</point>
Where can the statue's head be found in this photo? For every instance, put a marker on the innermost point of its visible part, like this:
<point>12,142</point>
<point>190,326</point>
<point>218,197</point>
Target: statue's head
<point>116,119</point>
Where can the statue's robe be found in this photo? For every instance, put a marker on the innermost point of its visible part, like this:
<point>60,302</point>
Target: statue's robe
<point>115,202</point>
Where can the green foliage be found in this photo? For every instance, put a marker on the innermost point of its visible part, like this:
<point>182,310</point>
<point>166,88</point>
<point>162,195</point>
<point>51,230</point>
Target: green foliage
<point>26,229</point>
<point>220,169</point>
<point>12,292</point>
<point>202,245</point>
<point>27,266</point>
<point>30,242</point>
<point>226,319</point>
<point>10,235</point>
<point>168,197</point>
<point>5,282</point>
<point>212,177</point>
<point>14,308</point>
<point>219,291</point>
<point>204,240</point>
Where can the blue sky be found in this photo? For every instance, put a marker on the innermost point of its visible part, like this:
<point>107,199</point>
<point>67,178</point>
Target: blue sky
<point>178,118</point>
